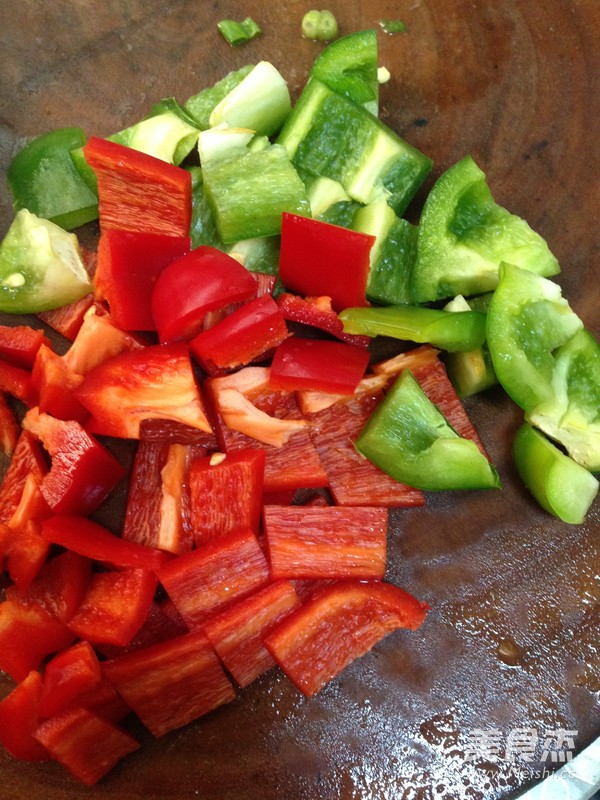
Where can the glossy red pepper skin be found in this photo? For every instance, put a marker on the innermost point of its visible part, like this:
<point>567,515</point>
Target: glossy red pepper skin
<point>241,337</point>
<point>27,458</point>
<point>19,344</point>
<point>138,192</point>
<point>321,259</point>
<point>318,365</point>
<point>83,472</point>
<point>129,264</point>
<point>204,280</point>
<point>20,717</point>
<point>66,676</point>
<point>316,312</point>
<point>16,381</point>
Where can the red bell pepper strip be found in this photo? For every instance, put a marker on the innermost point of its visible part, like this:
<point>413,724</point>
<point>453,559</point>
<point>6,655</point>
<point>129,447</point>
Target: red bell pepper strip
<point>83,472</point>
<point>206,580</point>
<point>28,633</point>
<point>9,427</point>
<point>16,381</point>
<point>27,458</point>
<point>241,337</point>
<point>59,588</point>
<point>340,543</point>
<point>159,626</point>
<point>89,539</point>
<point>237,633</point>
<point>20,717</point>
<point>66,676</point>
<point>154,382</point>
<point>318,365</point>
<point>337,625</point>
<point>157,512</point>
<point>294,463</point>
<point>128,266</point>
<point>87,745</point>
<point>115,606</point>
<point>25,549</point>
<point>204,280</point>
<point>171,683</point>
<point>318,258</point>
<point>138,192</point>
<point>19,344</point>
<point>317,312</point>
<point>226,493</point>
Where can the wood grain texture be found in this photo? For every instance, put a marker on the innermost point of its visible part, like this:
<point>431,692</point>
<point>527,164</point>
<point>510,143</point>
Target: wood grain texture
<point>516,85</point>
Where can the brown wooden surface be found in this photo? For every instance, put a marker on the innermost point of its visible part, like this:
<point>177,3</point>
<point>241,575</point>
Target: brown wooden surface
<point>517,85</point>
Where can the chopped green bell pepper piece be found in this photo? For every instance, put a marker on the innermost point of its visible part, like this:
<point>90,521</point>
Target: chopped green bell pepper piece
<point>464,235</point>
<point>341,213</point>
<point>572,415</point>
<point>171,105</point>
<point>329,135</point>
<point>40,266</point>
<point>236,33</point>
<point>260,102</point>
<point>450,331</point>
<point>43,179</point>
<point>248,193</point>
<point>408,438</point>
<point>471,372</point>
<point>258,255</point>
<point>392,255</point>
<point>200,106</point>
<point>203,228</point>
<point>560,485</point>
<point>392,26</point>
<point>527,320</point>
<point>165,136</point>
<point>348,66</point>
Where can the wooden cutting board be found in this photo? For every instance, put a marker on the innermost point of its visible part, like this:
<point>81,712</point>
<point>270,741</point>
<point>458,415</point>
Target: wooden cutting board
<point>511,642</point>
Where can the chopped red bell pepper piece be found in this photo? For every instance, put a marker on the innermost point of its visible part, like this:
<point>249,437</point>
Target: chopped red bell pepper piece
<point>27,458</point>
<point>68,319</point>
<point>251,415</point>
<point>353,480</point>
<point>187,289</point>
<point>318,365</point>
<point>28,633</point>
<point>87,745</point>
<point>171,683</point>
<point>16,381</point>
<point>241,337</point>
<point>55,384</point>
<point>129,264</point>
<point>25,549</point>
<point>138,192</point>
<point>9,427</point>
<point>89,539</point>
<point>318,313</point>
<point>157,512</point>
<point>337,625</point>
<point>173,432</point>
<point>104,701</point>
<point>156,381</point>
<point>204,581</point>
<point>226,493</point>
<point>159,626</point>
<point>83,472</point>
<point>59,588</point>
<point>66,676</point>
<point>97,340</point>
<point>19,344</point>
<point>237,633</point>
<point>115,606</point>
<point>329,542</point>
<point>20,717</point>
<point>318,258</point>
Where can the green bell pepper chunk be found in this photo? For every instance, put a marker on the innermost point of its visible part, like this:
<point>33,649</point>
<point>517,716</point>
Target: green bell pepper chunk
<point>408,438</point>
<point>559,484</point>
<point>200,106</point>
<point>527,320</point>
<point>464,236</point>
<point>472,371</point>
<point>43,179</point>
<point>348,66</point>
<point>40,266</point>
<point>572,415</point>
<point>450,331</point>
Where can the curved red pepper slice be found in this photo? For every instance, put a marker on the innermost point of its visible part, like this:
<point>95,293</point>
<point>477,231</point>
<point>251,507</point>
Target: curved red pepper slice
<point>318,365</point>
